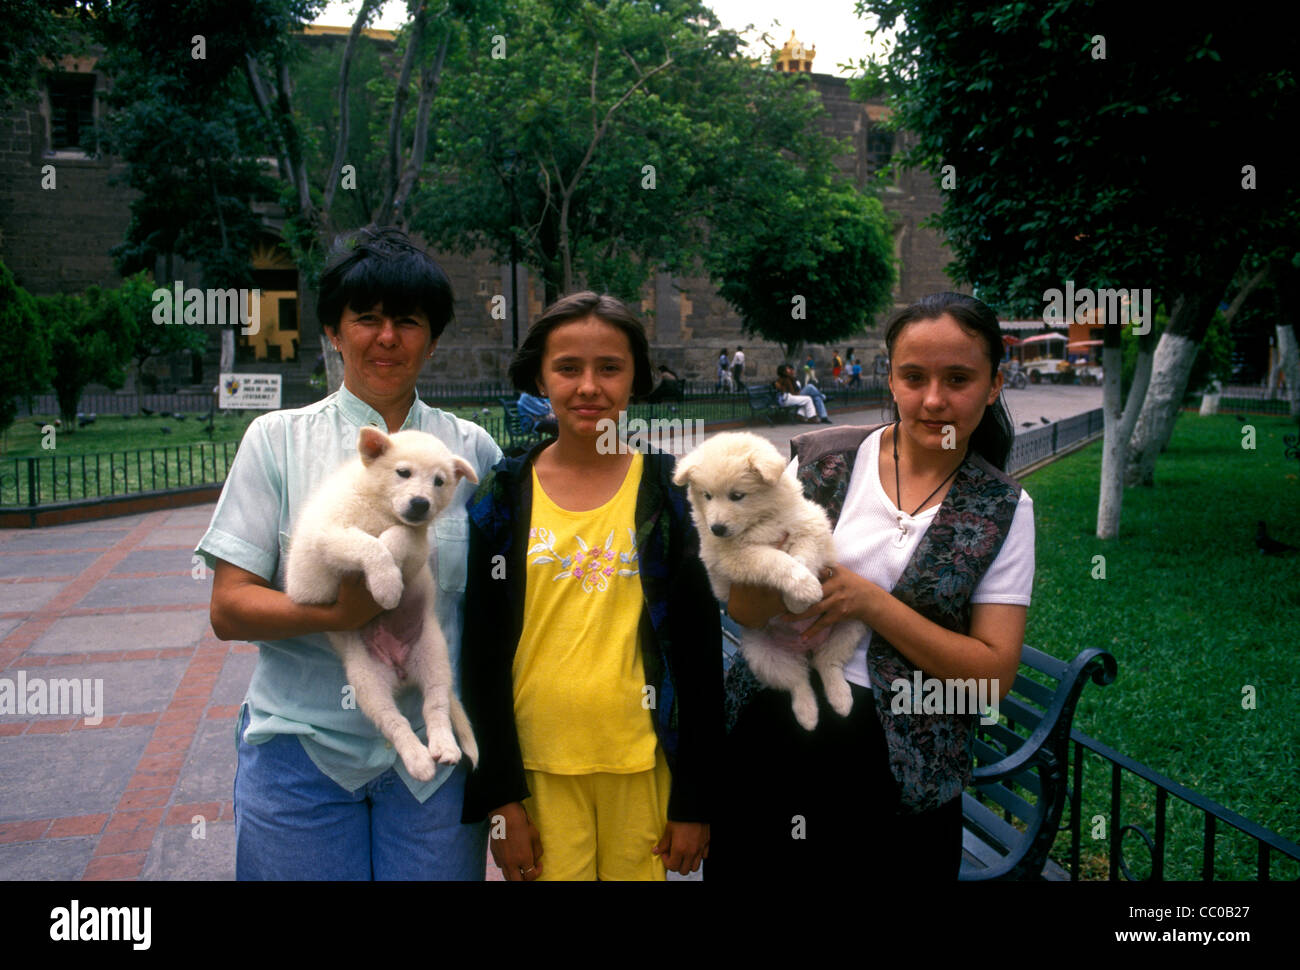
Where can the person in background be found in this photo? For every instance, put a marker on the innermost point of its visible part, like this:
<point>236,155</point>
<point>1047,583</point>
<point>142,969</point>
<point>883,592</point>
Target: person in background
<point>811,390</point>
<point>535,414</point>
<point>809,373</point>
<point>669,387</point>
<point>837,369</point>
<point>738,369</point>
<point>724,373</point>
<point>809,400</point>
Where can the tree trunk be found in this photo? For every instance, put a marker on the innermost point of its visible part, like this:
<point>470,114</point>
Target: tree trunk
<point>1286,287</point>
<point>1286,351</point>
<point>1115,444</point>
<point>227,349</point>
<point>1137,394</point>
<point>1171,367</point>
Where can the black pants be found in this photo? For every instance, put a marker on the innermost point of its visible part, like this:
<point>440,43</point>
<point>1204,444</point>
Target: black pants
<point>821,804</point>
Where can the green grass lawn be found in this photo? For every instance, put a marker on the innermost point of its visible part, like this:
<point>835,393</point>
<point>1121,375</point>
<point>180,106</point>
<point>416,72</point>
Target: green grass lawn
<point>118,432</point>
<point>1193,614</point>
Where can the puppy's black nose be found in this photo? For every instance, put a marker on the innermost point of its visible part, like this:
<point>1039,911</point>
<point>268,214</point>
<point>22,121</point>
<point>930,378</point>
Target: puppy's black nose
<point>718,530</point>
<point>417,509</point>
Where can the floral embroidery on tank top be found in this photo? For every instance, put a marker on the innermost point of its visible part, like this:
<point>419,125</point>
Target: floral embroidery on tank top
<point>593,566</point>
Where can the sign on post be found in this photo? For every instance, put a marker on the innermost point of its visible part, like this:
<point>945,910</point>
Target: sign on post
<point>249,391</point>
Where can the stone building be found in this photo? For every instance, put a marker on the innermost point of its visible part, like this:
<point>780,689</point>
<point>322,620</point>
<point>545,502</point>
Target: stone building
<point>61,214</point>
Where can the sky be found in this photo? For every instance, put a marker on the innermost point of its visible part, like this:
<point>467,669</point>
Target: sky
<point>831,25</point>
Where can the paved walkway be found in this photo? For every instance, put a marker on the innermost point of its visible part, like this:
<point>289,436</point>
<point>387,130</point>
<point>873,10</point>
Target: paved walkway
<point>146,792</point>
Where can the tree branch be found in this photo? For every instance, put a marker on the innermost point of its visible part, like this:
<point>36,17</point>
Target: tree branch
<point>400,96</point>
<point>345,71</point>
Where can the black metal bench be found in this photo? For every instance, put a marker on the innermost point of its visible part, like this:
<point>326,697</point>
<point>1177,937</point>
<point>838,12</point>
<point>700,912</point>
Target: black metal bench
<point>1020,767</point>
<point>763,403</point>
<point>1020,763</point>
<point>518,439</point>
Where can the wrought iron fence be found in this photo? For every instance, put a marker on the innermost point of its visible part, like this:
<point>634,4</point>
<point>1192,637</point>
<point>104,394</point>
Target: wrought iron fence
<point>294,395</point>
<point>1121,817</point>
<point>1034,445</point>
<point>29,482</point>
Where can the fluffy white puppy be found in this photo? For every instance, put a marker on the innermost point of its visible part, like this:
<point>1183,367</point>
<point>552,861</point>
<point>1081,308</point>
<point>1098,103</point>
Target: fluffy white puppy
<point>372,516</point>
<point>757,528</point>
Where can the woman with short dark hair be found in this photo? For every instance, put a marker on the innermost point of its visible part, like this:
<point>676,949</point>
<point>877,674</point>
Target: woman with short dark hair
<point>319,793</point>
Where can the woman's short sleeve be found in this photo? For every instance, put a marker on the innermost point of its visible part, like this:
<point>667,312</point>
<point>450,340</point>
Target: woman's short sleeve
<point>245,527</point>
<point>1011,577</point>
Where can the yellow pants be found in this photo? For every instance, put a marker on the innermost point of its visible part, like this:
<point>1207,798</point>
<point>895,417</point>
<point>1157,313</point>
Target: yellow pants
<point>600,825</point>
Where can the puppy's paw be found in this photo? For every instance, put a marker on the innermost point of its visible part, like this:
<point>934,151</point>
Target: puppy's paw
<point>398,540</point>
<point>419,762</point>
<point>385,584</point>
<point>442,746</point>
<point>805,707</point>
<point>838,694</point>
<point>803,590</point>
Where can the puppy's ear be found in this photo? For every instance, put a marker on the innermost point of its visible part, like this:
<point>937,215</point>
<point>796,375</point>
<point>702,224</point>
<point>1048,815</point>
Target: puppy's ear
<point>371,443</point>
<point>682,473</point>
<point>767,466</point>
<point>463,469</point>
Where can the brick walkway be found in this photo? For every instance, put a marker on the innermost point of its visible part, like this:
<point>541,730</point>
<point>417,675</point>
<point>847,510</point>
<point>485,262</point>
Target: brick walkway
<point>116,601</point>
<point>146,792</point>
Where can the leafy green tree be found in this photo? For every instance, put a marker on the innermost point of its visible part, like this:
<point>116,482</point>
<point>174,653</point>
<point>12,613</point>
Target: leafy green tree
<point>90,338</point>
<point>562,129</point>
<point>24,366</point>
<point>153,339</point>
<point>182,119</point>
<point>817,271</point>
<point>36,33</point>
<point>1065,127</point>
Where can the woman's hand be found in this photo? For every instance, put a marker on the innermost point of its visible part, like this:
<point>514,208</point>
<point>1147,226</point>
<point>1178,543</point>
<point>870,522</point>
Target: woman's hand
<point>247,607</point>
<point>355,607</point>
<point>682,846</point>
<point>753,606</point>
<point>845,596</point>
<point>519,852</point>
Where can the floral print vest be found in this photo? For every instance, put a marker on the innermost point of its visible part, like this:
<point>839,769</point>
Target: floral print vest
<point>929,754</point>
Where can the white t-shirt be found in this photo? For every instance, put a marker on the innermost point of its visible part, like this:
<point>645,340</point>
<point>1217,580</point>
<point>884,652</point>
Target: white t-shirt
<point>739,359</point>
<point>869,541</point>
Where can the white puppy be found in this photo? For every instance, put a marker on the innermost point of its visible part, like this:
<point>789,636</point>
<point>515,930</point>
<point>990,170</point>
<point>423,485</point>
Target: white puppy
<point>757,528</point>
<point>372,516</point>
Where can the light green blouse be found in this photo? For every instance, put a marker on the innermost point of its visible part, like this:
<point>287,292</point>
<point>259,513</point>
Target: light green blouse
<point>298,686</point>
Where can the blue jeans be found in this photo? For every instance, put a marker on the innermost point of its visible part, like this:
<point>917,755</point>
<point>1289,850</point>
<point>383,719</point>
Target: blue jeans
<point>293,822</point>
<point>819,401</point>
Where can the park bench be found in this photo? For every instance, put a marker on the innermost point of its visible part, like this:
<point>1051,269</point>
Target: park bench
<point>763,403</point>
<point>518,439</point>
<point>1020,763</point>
<point>1024,756</point>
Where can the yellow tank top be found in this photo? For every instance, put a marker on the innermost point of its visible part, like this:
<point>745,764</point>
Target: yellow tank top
<point>581,703</point>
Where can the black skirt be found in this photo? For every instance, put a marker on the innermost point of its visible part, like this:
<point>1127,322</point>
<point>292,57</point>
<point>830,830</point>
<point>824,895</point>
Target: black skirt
<point>821,803</point>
